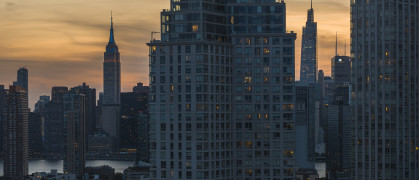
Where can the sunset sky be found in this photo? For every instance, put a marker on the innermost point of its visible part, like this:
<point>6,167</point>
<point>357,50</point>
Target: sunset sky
<point>62,42</point>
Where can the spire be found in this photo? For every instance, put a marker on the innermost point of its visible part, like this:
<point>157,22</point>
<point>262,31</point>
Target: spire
<point>310,13</point>
<point>345,48</point>
<point>336,45</point>
<point>111,37</point>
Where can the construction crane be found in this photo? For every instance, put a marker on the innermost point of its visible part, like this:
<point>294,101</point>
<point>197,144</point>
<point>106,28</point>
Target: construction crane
<point>152,35</point>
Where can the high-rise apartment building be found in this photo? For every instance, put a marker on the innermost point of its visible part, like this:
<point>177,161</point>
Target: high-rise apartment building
<point>90,98</point>
<point>35,132</point>
<point>222,92</point>
<point>385,85</point>
<point>74,134</point>
<point>132,105</point>
<point>16,133</point>
<point>3,93</point>
<point>309,63</point>
<point>111,89</point>
<point>54,123</point>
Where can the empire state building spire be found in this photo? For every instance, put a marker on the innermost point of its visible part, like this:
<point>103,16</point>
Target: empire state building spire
<point>111,37</point>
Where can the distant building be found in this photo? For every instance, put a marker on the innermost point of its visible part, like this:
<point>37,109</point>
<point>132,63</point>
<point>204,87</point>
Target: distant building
<point>308,122</point>
<point>3,93</point>
<point>100,172</point>
<point>339,141</point>
<point>35,134</point>
<point>16,133</point>
<point>306,174</point>
<point>54,124</point>
<point>90,98</point>
<point>111,89</point>
<point>132,105</point>
<point>140,171</point>
<point>309,64</point>
<point>75,134</point>
<point>99,143</point>
<point>53,175</point>
<point>341,70</point>
<point>143,147</point>
<point>41,103</point>
<point>140,88</point>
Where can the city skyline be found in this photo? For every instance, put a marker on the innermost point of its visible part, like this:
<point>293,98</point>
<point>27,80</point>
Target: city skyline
<point>56,40</point>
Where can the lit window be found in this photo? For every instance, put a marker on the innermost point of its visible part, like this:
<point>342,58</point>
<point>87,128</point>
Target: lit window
<point>195,28</point>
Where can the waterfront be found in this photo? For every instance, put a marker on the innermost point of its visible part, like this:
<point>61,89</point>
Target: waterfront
<point>47,165</point>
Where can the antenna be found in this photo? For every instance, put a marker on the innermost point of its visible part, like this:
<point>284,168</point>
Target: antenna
<point>345,47</point>
<point>311,4</point>
<point>336,45</point>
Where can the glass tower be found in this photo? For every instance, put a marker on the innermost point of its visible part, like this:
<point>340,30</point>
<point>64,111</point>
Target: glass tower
<point>222,92</point>
<point>385,82</point>
<point>308,70</point>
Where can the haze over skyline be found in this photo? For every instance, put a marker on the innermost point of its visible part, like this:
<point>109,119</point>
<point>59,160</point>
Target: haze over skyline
<point>62,43</point>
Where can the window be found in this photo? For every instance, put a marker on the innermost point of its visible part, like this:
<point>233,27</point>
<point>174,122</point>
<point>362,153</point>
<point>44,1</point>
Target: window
<point>195,28</point>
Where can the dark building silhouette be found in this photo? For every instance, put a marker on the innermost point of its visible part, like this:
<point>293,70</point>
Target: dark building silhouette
<point>140,88</point>
<point>385,86</point>
<point>74,134</point>
<point>35,134</point>
<point>3,93</point>
<point>111,89</point>
<point>143,147</point>
<point>341,70</point>
<point>54,123</point>
<point>309,64</point>
<point>132,105</point>
<point>90,97</point>
<point>16,133</point>
<point>339,135</point>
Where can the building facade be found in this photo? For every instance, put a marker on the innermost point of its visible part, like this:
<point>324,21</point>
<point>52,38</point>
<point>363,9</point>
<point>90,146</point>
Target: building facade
<point>15,159</point>
<point>54,123</point>
<point>385,82</point>
<point>111,90</point>
<point>132,105</point>
<point>309,62</point>
<point>90,98</point>
<point>222,92</point>
<point>341,70</point>
<point>74,134</point>
<point>3,93</point>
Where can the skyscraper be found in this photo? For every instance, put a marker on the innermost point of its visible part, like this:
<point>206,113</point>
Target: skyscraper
<point>16,133</point>
<point>54,123</point>
<point>3,93</point>
<point>35,131</point>
<point>111,89</point>
<point>132,105</point>
<point>22,78</point>
<point>308,70</point>
<point>385,85</point>
<point>74,134</point>
<point>222,92</point>
<point>90,98</point>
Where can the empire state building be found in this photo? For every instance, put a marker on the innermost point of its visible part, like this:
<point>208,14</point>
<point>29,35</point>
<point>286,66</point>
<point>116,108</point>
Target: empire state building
<point>111,89</point>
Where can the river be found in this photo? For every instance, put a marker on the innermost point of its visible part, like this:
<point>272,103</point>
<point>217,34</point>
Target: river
<point>47,165</point>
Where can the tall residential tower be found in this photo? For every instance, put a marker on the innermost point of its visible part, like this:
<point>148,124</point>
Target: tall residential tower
<point>16,133</point>
<point>385,86</point>
<point>222,92</point>
<point>308,70</point>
